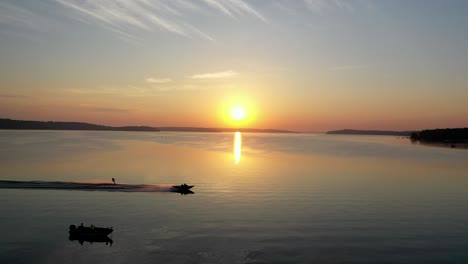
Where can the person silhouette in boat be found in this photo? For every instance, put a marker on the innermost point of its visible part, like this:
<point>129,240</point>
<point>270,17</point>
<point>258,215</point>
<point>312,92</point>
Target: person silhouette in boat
<point>113,180</point>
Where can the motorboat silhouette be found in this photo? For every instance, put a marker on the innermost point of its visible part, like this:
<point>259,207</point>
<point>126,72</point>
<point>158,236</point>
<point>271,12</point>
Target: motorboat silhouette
<point>182,187</point>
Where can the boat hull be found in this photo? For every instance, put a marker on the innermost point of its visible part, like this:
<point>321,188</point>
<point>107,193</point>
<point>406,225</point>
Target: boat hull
<point>82,231</point>
<point>182,187</point>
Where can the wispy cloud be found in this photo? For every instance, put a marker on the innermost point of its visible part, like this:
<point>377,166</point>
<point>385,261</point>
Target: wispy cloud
<point>215,75</point>
<point>169,26</point>
<point>234,8</point>
<point>243,6</point>
<point>218,5</point>
<point>199,32</point>
<point>129,18</point>
<point>157,80</point>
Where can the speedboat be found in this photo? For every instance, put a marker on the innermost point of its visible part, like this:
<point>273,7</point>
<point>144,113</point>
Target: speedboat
<point>86,231</point>
<point>182,187</point>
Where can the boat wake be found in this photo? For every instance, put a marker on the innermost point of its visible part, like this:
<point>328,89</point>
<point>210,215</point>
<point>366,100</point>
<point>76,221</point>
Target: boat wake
<point>49,185</point>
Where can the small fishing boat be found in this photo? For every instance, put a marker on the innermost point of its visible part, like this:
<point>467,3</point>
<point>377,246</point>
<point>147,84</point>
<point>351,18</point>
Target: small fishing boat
<point>89,231</point>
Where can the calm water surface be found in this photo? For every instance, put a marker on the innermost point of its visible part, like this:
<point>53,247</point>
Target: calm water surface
<point>259,198</point>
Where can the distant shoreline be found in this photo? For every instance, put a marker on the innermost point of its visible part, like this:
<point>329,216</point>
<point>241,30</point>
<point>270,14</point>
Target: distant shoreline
<point>450,137</point>
<point>447,138</point>
<point>369,132</point>
<point>11,124</point>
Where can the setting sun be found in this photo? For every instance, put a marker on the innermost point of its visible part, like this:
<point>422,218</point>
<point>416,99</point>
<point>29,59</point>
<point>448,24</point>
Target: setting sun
<point>238,113</point>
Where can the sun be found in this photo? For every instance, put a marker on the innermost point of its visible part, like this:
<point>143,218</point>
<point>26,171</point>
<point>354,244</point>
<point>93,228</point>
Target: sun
<point>238,113</point>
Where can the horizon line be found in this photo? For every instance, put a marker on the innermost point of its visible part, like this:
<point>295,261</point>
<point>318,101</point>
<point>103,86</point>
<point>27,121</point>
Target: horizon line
<point>284,130</point>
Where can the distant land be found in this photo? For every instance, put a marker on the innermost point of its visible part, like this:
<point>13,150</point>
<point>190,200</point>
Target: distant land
<point>54,125</point>
<point>449,136</point>
<point>370,132</point>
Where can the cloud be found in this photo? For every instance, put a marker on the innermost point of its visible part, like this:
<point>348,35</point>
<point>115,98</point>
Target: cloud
<point>247,9</point>
<point>215,75</point>
<point>199,32</point>
<point>217,5</point>
<point>234,8</point>
<point>130,18</point>
<point>157,80</point>
<point>173,28</point>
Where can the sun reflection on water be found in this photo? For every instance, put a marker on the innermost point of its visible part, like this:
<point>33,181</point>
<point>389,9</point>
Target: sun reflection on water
<point>237,147</point>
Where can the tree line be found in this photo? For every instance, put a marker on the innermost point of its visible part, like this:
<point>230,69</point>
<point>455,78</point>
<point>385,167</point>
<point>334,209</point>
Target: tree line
<point>447,135</point>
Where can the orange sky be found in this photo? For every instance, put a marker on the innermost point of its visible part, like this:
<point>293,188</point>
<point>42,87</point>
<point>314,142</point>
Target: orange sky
<point>297,65</point>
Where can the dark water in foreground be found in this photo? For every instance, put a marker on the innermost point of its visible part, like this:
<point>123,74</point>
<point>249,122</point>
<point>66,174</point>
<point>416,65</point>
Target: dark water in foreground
<point>258,198</point>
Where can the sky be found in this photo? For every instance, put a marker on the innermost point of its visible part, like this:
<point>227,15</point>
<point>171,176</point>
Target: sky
<point>304,65</point>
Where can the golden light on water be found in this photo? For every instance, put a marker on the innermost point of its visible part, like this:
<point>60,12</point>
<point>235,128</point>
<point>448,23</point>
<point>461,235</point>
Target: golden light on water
<point>237,147</point>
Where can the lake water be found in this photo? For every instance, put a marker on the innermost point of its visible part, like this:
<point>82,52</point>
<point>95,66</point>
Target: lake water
<point>259,198</point>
